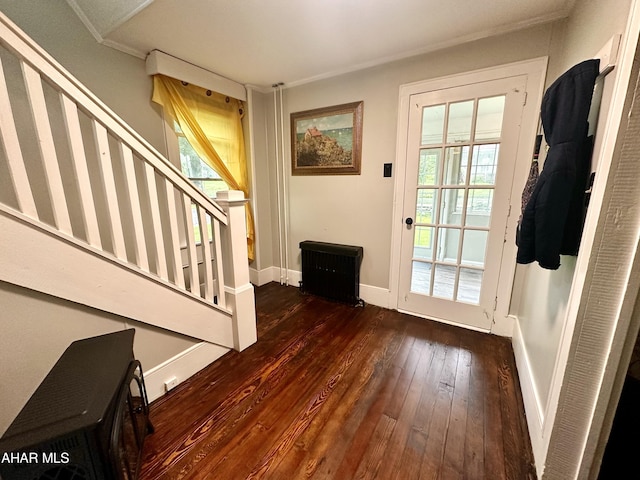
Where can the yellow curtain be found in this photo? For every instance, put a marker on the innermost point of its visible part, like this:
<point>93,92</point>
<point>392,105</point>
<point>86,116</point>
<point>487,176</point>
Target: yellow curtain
<point>212,123</point>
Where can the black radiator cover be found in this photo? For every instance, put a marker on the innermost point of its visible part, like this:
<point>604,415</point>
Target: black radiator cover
<point>332,271</point>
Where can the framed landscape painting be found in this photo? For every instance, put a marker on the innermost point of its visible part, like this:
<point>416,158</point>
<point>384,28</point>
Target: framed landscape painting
<point>327,141</point>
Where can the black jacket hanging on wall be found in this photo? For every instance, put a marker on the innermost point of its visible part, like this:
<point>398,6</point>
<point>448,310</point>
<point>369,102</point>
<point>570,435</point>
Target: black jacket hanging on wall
<point>552,220</point>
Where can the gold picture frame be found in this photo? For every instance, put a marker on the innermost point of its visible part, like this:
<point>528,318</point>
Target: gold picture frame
<point>327,141</point>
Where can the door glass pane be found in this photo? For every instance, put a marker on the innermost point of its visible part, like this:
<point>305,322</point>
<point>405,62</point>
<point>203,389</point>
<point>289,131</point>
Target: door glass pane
<point>474,247</point>
<point>479,206</point>
<point>456,161</point>
<point>444,281</point>
<point>423,243</point>
<point>425,205</point>
<point>489,119</point>
<point>457,168</point>
<point>484,164</point>
<point>429,166</point>
<point>451,206</point>
<point>432,124</point>
<point>448,241</point>
<point>421,278</point>
<point>459,124</point>
<point>469,285</point>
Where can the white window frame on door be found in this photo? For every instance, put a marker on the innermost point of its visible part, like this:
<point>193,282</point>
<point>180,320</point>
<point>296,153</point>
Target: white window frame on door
<point>535,70</point>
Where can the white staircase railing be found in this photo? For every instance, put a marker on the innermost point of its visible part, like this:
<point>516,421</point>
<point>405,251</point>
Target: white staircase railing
<point>73,166</point>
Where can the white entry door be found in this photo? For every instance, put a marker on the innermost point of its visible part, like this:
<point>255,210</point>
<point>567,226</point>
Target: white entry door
<point>461,152</point>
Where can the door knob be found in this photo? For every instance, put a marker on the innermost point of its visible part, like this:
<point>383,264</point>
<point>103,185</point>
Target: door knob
<point>409,222</point>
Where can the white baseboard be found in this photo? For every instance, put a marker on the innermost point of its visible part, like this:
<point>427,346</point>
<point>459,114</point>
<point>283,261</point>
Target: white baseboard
<point>272,274</point>
<point>503,325</point>
<point>181,366</point>
<point>262,277</point>
<point>374,295</point>
<point>534,410</point>
<point>294,277</point>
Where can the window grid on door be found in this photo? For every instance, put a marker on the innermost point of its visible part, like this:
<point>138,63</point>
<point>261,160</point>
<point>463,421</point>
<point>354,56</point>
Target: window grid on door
<point>443,186</point>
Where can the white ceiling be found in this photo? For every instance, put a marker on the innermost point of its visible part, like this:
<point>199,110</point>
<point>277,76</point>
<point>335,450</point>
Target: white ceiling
<point>262,42</point>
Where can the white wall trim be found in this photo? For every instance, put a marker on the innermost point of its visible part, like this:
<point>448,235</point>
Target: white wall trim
<point>134,52</point>
<point>370,294</point>
<point>503,323</point>
<point>514,69</point>
<point>294,277</point>
<point>85,20</point>
<point>532,22</point>
<point>375,295</point>
<point>119,17</point>
<point>182,366</point>
<point>272,274</point>
<point>534,408</point>
<point>264,276</point>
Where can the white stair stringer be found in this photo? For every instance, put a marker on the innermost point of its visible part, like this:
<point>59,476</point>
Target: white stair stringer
<point>40,258</point>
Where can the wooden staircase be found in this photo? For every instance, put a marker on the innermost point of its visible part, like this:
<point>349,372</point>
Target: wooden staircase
<point>90,212</point>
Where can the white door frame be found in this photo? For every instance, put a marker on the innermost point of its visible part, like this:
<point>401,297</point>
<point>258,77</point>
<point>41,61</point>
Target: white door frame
<point>535,70</point>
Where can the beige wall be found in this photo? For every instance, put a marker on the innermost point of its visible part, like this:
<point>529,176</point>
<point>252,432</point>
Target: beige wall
<point>357,209</point>
<point>261,175</point>
<point>543,295</point>
<point>118,79</point>
<point>37,328</point>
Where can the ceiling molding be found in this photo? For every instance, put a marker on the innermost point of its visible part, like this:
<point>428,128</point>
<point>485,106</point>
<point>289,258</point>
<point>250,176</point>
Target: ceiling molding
<point>261,88</point>
<point>96,19</point>
<point>126,16</point>
<point>541,20</point>
<point>85,20</point>
<point>124,48</point>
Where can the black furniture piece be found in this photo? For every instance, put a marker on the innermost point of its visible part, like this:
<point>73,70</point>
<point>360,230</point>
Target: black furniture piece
<point>332,271</point>
<point>86,421</point>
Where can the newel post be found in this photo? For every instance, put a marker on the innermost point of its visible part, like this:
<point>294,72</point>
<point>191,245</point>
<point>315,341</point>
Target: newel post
<point>239,290</point>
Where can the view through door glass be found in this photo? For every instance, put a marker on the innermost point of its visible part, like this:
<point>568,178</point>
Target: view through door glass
<point>460,145</point>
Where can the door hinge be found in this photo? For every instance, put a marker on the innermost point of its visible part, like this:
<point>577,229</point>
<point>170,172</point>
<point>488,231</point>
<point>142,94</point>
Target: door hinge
<point>526,94</point>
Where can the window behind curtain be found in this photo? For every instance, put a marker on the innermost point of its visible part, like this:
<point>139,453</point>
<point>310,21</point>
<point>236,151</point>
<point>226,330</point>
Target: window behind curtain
<point>201,174</point>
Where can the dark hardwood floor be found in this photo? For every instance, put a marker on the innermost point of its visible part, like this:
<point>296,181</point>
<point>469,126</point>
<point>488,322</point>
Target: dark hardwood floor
<point>331,391</point>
